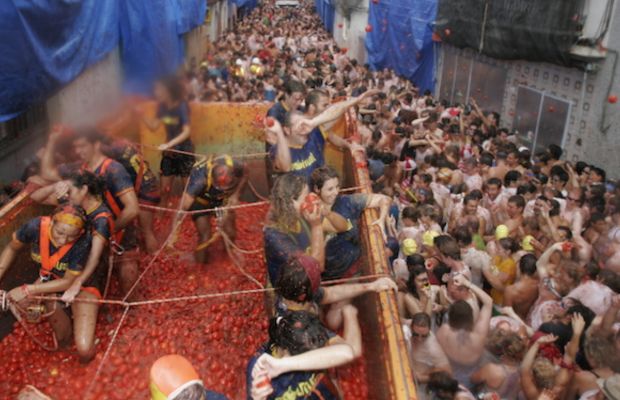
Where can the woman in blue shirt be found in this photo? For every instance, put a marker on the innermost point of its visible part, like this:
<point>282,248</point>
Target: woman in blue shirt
<point>293,364</point>
<point>173,113</point>
<point>344,248</point>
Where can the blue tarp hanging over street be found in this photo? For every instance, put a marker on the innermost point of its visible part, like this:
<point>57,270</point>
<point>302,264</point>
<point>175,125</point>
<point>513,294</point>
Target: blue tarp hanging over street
<point>245,7</point>
<point>326,11</point>
<point>151,37</point>
<point>401,39</point>
<point>46,44</point>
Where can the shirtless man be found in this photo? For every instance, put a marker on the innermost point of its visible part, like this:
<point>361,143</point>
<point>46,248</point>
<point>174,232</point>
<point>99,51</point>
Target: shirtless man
<point>463,338</point>
<point>522,294</point>
<point>573,213</point>
<point>468,212</point>
<point>514,211</point>
<point>494,199</point>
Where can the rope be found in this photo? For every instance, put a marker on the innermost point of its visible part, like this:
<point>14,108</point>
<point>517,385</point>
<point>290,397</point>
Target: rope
<point>107,353</point>
<point>189,153</point>
<point>123,303</point>
<point>255,192</point>
<point>206,210</point>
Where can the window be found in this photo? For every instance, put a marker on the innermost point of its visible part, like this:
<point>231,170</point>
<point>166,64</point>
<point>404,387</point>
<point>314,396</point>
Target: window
<point>540,119</point>
<point>21,127</point>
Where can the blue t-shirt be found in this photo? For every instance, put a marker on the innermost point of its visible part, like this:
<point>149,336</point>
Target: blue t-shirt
<point>298,385</point>
<point>197,186</point>
<point>73,261</point>
<point>307,158</point>
<point>100,222</point>
<point>174,119</point>
<point>278,111</point>
<point>130,158</point>
<point>342,250</point>
<point>209,395</point>
<point>117,182</point>
<point>280,246</point>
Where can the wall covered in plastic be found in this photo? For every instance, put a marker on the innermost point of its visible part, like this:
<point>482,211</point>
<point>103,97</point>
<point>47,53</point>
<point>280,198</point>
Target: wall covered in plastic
<point>400,37</point>
<point>326,11</point>
<point>45,45</point>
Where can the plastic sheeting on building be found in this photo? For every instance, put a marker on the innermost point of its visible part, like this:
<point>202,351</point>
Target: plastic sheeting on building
<point>401,39</point>
<point>512,29</point>
<point>245,7</point>
<point>327,12</point>
<point>46,44</point>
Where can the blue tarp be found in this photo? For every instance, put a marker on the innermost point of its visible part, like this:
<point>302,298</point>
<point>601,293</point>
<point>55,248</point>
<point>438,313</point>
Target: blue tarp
<point>326,11</point>
<point>45,44</point>
<point>151,37</point>
<point>245,7</point>
<point>401,39</point>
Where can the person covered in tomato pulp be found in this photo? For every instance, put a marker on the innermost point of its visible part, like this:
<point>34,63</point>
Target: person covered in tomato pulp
<point>294,363</point>
<point>59,247</point>
<point>291,229</point>
<point>173,377</point>
<point>214,182</point>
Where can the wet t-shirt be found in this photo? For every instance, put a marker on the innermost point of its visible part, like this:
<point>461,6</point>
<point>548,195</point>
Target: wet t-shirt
<point>306,158</point>
<point>134,163</point>
<point>298,385</point>
<point>100,220</point>
<point>281,245</point>
<point>344,248</point>
<point>174,119</point>
<point>72,262</point>
<point>197,185</point>
<point>117,181</point>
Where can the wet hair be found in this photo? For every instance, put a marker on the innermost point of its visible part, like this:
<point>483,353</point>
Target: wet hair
<point>463,236</point>
<point>293,86</point>
<point>96,185</point>
<point>517,200</point>
<point>442,382</point>
<point>421,319</point>
<point>509,244</point>
<point>494,181</point>
<point>449,247</point>
<point>600,172</point>
<point>297,332</point>
<point>601,352</point>
<point>544,373</point>
<point>508,344</point>
<point>314,97</point>
<point>585,311</point>
<point>293,283</point>
<point>486,158</point>
<point>511,177</point>
<point>414,259</point>
<point>195,391</point>
<point>321,175</point>
<point>440,270</point>
<point>526,188</point>
<point>554,151</point>
<point>461,315</point>
<point>173,86</point>
<point>566,230</point>
<point>527,265</point>
<point>286,188</point>
<point>411,213</point>
<point>415,271</point>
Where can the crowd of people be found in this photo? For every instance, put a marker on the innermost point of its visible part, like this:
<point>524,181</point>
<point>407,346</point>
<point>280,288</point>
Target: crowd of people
<point>504,262</point>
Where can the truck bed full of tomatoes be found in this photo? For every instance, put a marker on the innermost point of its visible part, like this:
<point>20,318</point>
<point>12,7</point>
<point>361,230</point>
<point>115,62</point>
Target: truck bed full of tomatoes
<point>218,335</point>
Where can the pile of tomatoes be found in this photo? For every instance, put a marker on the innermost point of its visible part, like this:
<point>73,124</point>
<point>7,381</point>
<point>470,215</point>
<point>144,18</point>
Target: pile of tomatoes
<point>218,335</point>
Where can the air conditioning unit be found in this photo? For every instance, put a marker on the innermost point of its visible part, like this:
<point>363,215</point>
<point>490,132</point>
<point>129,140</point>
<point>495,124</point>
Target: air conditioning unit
<point>597,20</point>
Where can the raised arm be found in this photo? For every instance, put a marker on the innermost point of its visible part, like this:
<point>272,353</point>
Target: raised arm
<point>283,153</point>
<point>48,167</point>
<point>482,324</point>
<point>337,293</point>
<point>528,384</point>
<point>543,264</point>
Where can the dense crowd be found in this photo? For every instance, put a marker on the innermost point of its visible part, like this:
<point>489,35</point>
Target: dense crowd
<point>504,261</point>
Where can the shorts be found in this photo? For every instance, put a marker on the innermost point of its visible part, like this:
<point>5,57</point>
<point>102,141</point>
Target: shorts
<point>202,204</point>
<point>149,193</point>
<point>177,165</point>
<point>151,198</point>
